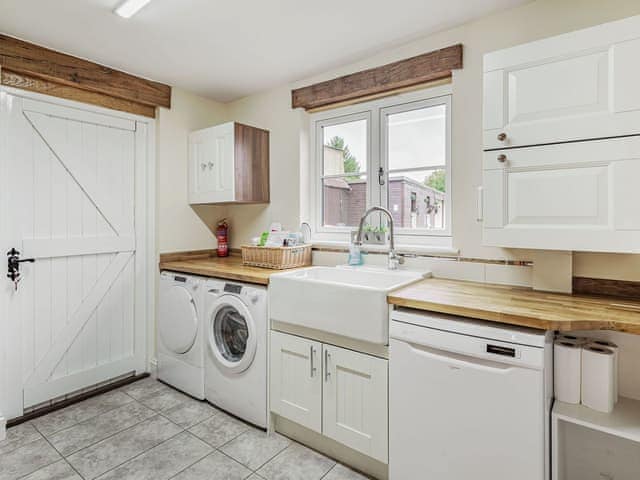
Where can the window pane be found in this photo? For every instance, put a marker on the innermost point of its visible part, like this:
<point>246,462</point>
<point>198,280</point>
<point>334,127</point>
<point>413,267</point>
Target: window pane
<point>417,199</point>
<point>345,148</point>
<point>344,200</point>
<point>417,138</point>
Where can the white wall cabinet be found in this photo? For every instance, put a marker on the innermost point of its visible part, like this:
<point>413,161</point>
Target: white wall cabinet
<point>575,196</point>
<point>577,86</point>
<point>562,142</point>
<point>337,392</point>
<point>229,163</point>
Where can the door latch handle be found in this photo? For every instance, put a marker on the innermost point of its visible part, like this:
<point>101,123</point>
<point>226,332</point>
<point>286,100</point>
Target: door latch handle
<point>13,265</point>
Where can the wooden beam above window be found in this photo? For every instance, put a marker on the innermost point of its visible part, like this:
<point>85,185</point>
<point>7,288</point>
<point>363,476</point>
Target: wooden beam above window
<point>47,71</point>
<point>422,69</point>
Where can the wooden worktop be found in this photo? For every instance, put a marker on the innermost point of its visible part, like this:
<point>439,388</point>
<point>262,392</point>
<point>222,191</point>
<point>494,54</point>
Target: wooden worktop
<point>520,306</point>
<point>230,268</point>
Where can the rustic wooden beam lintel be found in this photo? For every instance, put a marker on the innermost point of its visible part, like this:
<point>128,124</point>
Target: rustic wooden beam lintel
<point>47,71</point>
<point>418,70</point>
<point>32,84</point>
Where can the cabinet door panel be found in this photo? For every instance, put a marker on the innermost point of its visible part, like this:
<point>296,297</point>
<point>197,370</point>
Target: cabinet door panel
<point>355,401</point>
<point>296,380</point>
<point>578,196</point>
<point>224,163</point>
<point>564,197</point>
<point>211,165</point>
<point>577,86</point>
<point>627,76</point>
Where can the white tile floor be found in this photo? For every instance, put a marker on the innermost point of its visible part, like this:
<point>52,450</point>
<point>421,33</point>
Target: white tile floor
<point>149,431</point>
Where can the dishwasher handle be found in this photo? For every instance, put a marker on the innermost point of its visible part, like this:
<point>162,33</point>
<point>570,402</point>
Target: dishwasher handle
<point>473,350</point>
<point>460,360</point>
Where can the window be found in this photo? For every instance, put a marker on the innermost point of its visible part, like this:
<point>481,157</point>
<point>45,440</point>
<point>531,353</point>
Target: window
<point>344,152</point>
<point>394,153</point>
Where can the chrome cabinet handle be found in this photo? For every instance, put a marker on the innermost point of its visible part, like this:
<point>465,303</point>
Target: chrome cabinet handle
<point>502,136</point>
<point>327,374</point>
<point>312,368</point>
<point>502,158</point>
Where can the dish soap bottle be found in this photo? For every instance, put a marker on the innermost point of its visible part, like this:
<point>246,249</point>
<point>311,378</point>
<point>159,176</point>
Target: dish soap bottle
<point>355,255</point>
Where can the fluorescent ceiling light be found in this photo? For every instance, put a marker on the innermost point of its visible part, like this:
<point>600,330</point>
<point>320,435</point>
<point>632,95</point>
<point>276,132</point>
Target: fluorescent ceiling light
<point>129,8</point>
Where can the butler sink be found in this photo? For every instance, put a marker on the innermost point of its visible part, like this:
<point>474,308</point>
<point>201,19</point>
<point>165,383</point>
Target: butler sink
<point>347,301</point>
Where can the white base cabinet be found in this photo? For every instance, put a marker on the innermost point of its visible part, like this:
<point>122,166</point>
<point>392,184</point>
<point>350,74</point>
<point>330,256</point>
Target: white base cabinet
<point>337,392</point>
<point>296,381</point>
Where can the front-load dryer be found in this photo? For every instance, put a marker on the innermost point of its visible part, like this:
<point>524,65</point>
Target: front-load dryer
<point>179,333</point>
<point>235,338</point>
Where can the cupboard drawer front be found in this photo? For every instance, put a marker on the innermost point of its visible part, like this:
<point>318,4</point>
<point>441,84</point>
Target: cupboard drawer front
<point>577,196</point>
<point>576,86</point>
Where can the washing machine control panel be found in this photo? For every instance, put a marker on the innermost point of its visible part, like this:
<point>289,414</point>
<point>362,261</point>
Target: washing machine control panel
<point>232,288</point>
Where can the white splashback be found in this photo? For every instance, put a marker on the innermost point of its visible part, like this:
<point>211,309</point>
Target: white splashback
<point>441,267</point>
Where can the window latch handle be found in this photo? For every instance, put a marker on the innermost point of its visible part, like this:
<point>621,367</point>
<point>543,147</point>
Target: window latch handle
<point>381,176</point>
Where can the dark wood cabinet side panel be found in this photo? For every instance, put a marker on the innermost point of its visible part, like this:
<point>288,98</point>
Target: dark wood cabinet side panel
<point>251,164</point>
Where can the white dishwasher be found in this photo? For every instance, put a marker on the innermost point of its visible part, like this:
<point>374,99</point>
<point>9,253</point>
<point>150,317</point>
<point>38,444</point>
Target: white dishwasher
<point>468,400</point>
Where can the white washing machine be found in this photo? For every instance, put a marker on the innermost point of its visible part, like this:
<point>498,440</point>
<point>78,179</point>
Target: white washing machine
<point>235,339</point>
<point>179,333</point>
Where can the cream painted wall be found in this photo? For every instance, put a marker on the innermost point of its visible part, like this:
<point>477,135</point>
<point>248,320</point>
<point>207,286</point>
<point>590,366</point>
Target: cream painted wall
<point>271,110</point>
<point>289,151</point>
<point>180,226</point>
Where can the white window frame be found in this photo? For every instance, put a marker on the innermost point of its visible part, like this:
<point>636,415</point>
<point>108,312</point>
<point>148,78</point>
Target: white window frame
<point>375,112</point>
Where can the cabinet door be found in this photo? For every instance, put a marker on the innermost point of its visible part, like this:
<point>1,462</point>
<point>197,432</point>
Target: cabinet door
<point>578,196</point>
<point>211,165</point>
<point>577,86</point>
<point>296,380</point>
<point>355,401</point>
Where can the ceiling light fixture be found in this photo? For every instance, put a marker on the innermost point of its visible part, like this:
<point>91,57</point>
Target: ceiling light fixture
<point>129,8</point>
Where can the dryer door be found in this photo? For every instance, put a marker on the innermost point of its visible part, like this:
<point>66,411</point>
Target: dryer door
<point>177,319</point>
<point>232,334</point>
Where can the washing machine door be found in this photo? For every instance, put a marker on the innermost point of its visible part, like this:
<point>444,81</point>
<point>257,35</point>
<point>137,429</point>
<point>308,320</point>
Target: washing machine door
<point>177,319</point>
<point>232,334</point>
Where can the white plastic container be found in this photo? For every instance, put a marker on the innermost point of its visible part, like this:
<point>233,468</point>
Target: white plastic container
<point>567,371</point>
<point>616,352</point>
<point>598,370</point>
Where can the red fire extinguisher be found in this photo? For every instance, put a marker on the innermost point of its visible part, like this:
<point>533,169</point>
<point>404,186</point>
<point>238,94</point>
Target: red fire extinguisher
<point>222,235</point>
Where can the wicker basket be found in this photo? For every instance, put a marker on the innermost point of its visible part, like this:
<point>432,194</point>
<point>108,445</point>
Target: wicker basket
<point>277,258</point>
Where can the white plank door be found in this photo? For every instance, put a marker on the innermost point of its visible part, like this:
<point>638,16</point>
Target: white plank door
<point>355,401</point>
<point>72,200</point>
<point>296,385</point>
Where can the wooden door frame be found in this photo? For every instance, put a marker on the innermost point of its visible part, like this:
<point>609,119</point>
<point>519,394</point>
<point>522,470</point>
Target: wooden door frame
<point>146,246</point>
